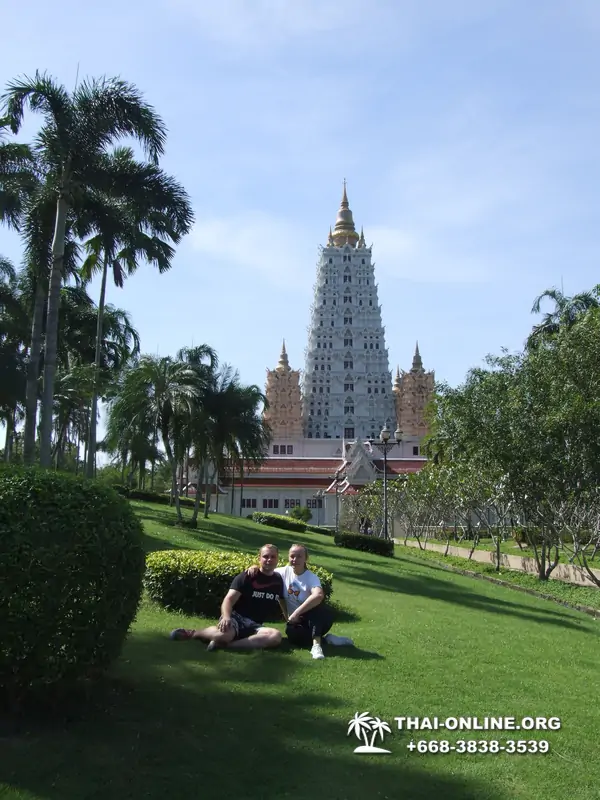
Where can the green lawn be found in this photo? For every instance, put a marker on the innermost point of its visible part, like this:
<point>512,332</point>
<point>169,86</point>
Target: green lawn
<point>174,721</point>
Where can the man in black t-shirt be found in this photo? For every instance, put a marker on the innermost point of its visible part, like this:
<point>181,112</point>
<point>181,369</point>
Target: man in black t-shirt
<point>254,599</point>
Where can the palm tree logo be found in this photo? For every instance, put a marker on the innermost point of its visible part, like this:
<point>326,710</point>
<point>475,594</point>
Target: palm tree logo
<point>363,725</point>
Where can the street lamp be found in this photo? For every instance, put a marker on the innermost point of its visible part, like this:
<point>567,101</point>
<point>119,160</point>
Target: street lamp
<point>319,498</point>
<point>337,480</point>
<point>384,445</point>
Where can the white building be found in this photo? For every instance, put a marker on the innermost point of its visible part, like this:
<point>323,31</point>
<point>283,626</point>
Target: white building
<point>322,421</point>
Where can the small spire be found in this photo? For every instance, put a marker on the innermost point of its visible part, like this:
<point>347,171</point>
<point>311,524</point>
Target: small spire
<point>397,379</point>
<point>361,241</point>
<point>284,364</point>
<point>417,364</point>
<point>345,203</point>
<point>330,240</point>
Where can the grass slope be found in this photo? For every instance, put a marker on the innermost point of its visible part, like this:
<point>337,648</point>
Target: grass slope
<point>176,721</point>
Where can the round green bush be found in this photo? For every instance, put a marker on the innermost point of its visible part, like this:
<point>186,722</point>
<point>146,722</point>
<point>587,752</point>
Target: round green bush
<point>71,578</point>
<point>196,581</point>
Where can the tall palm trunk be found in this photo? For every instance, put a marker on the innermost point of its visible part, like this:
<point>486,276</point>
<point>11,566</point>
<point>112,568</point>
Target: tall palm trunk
<point>153,459</point>
<point>91,463</point>
<point>209,482</point>
<point>199,472</point>
<point>172,459</point>
<point>33,373</point>
<point>10,428</point>
<point>52,320</point>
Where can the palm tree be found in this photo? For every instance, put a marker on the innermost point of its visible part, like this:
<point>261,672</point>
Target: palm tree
<point>36,222</point>
<point>12,365</point>
<point>226,423</point>
<point>17,178</point>
<point>567,310</point>
<point>158,394</point>
<point>72,144</point>
<point>360,725</point>
<point>378,726</point>
<point>140,227</point>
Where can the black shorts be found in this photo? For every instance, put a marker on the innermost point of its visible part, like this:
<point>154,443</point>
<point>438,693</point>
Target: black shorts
<point>243,626</point>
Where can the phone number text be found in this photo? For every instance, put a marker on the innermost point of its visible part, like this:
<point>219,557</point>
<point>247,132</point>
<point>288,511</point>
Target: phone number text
<point>474,746</point>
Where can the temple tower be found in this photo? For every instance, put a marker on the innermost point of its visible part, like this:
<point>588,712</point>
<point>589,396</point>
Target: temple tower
<point>347,385</point>
<point>412,391</point>
<point>283,394</point>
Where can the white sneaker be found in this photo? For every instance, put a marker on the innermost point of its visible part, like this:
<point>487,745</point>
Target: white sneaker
<point>337,640</point>
<point>317,651</point>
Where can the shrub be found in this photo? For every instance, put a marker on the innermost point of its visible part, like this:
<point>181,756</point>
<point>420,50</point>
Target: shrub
<point>279,521</point>
<point>71,577</point>
<point>162,499</point>
<point>369,544</point>
<point>302,513</point>
<point>320,529</point>
<point>196,581</point>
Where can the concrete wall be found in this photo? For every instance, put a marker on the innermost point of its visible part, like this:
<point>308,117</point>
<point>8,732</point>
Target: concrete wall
<point>563,572</point>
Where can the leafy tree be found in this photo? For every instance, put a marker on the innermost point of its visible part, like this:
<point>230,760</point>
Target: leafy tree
<point>72,145</point>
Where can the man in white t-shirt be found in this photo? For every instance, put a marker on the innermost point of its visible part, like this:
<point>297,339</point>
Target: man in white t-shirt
<point>309,619</point>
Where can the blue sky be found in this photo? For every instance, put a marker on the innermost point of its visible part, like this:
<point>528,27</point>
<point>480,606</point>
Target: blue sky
<point>467,131</point>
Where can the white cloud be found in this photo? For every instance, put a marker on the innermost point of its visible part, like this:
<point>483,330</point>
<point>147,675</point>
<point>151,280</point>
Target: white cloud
<point>422,257</point>
<point>250,22</point>
<point>256,245</point>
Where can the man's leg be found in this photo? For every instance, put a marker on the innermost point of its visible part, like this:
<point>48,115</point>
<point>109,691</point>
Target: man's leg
<point>205,635</point>
<point>261,638</point>
<point>212,635</point>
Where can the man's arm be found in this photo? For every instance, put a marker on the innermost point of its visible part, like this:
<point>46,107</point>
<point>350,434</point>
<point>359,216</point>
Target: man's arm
<point>227,605</point>
<point>314,599</point>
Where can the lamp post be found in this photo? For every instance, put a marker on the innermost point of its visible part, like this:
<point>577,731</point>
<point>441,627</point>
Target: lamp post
<point>319,498</point>
<point>337,479</point>
<point>385,445</point>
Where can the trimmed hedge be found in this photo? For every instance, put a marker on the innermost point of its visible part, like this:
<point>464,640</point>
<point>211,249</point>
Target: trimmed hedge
<point>196,581</point>
<point>279,521</point>
<point>154,497</point>
<point>319,529</point>
<point>71,578</point>
<point>369,544</point>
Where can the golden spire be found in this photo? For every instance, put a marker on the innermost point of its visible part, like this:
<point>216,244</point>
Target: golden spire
<point>397,385</point>
<point>417,364</point>
<point>284,364</point>
<point>344,230</point>
<point>330,239</point>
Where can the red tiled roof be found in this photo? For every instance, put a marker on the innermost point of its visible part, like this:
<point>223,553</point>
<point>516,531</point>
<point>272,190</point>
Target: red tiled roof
<point>329,466</point>
<point>316,483</point>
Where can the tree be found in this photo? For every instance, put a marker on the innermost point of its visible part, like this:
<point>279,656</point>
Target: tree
<point>12,356</point>
<point>158,394</point>
<point>72,144</point>
<point>143,226</point>
<point>301,513</point>
<point>567,310</point>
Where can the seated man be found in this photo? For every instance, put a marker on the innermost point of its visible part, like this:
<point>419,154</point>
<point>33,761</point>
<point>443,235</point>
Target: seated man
<point>309,619</point>
<point>254,598</point>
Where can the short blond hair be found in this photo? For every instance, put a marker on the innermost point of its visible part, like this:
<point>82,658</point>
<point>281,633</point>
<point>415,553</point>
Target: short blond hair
<point>269,547</point>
